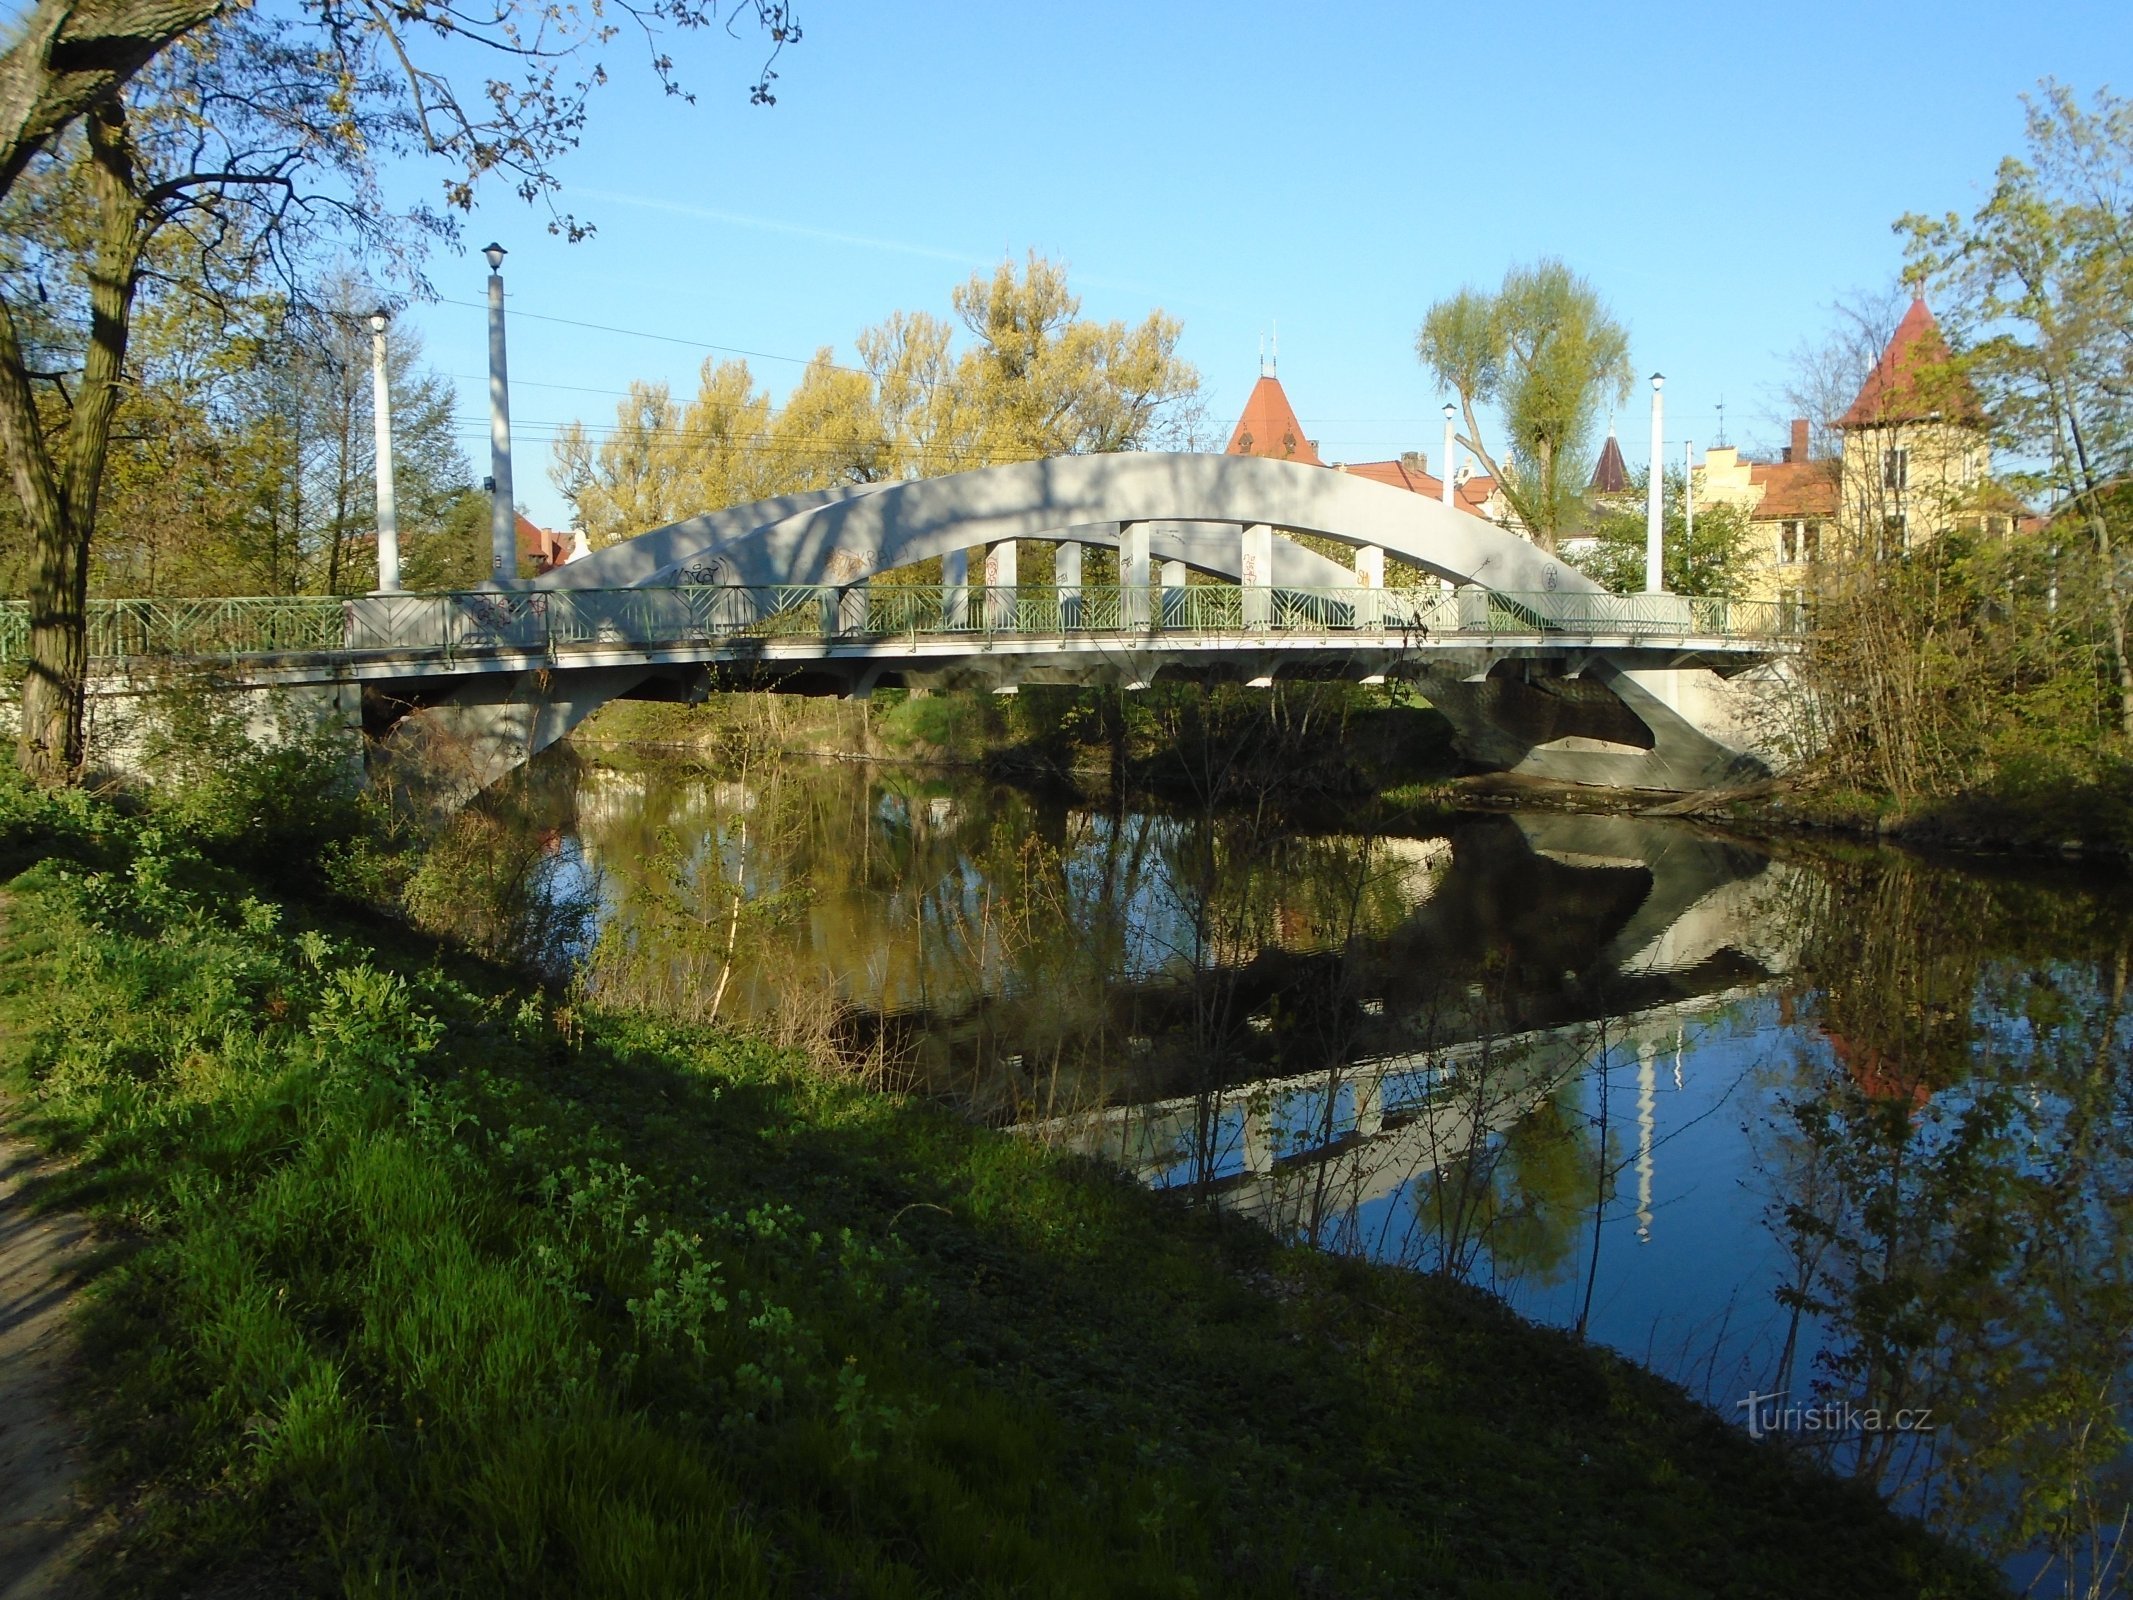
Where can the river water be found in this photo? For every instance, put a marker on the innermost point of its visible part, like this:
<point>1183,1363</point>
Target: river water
<point>1840,1140</point>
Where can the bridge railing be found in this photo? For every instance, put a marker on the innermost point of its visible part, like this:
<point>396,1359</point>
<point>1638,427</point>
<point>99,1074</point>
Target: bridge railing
<point>560,622</point>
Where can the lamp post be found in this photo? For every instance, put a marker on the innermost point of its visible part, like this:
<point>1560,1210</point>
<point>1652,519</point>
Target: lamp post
<point>1654,566</point>
<point>1688,497</point>
<point>381,417</point>
<point>503,509</point>
<point>1450,442</point>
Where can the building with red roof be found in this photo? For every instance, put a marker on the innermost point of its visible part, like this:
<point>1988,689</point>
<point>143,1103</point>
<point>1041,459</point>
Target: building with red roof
<point>1916,462</point>
<point>1791,504</point>
<point>1269,427</point>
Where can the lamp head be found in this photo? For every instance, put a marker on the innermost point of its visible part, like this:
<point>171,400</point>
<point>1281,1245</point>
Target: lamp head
<point>379,318</point>
<point>1448,411</point>
<point>1658,381</point>
<point>494,254</point>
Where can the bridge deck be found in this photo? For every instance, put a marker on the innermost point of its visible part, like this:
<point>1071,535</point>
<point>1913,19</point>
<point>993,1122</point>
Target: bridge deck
<point>310,638</point>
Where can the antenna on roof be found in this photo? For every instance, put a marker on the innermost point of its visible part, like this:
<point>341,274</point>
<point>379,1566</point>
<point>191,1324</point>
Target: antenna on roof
<point>1262,355</point>
<point>1721,421</point>
<point>1277,345</point>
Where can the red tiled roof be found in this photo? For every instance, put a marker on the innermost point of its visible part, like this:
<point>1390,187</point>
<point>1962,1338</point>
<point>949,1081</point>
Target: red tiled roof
<point>546,549</point>
<point>1468,496</point>
<point>1902,387</point>
<point>1793,489</point>
<point>1269,427</point>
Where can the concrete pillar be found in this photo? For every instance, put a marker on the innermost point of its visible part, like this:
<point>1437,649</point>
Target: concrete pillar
<point>1066,578</point>
<point>955,589</point>
<point>1446,467</point>
<point>1133,575</point>
<point>1370,575</point>
<point>1002,575</point>
<point>503,510</point>
<point>1256,568</point>
<point>382,427</point>
<point>1654,499</point>
<point>1173,575</point>
<point>855,609</point>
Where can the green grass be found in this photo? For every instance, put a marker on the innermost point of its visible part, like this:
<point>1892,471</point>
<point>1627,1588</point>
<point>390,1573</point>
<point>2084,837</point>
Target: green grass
<point>439,1286</point>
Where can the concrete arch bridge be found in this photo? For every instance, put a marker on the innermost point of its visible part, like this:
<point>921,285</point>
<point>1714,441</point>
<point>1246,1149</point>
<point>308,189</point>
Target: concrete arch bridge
<point>1539,670</point>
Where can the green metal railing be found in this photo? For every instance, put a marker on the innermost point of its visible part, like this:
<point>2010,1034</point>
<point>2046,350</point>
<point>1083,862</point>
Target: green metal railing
<point>561,622</point>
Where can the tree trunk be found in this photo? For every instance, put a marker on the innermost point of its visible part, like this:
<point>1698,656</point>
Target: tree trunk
<point>59,498</point>
<point>70,55</point>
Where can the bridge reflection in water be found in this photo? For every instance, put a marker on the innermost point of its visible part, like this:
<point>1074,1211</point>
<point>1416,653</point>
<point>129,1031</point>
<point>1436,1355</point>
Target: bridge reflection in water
<point>1688,931</point>
<point>1296,1028</point>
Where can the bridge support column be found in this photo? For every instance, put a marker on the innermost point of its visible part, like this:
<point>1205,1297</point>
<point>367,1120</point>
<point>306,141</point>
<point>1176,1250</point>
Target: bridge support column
<point>1256,569</point>
<point>1369,574</point>
<point>1066,578</point>
<point>1133,575</point>
<point>955,589</point>
<point>1173,575</point>
<point>1002,575</point>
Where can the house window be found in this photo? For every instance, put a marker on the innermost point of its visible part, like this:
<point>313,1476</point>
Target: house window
<point>1896,469</point>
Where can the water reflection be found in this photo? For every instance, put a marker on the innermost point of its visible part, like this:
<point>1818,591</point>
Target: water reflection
<point>1849,1132</point>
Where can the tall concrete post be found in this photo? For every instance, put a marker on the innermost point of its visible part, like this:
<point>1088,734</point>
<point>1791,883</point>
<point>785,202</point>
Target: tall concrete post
<point>1688,494</point>
<point>381,417</point>
<point>1133,575</point>
<point>1066,578</point>
<point>1255,567</point>
<point>503,508</point>
<point>1451,443</point>
<point>1654,501</point>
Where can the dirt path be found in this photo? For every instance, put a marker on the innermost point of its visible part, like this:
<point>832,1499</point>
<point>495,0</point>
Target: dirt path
<point>44,1260</point>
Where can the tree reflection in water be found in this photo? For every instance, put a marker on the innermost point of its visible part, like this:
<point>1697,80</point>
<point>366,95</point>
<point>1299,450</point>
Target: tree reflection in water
<point>1852,1129</point>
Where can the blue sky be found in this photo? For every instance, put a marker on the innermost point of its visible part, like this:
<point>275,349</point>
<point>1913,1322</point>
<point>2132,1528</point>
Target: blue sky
<point>1720,174</point>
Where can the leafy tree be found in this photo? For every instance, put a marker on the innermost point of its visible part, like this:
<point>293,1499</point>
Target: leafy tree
<point>137,143</point>
<point>1034,379</point>
<point>1546,352</point>
<point>1048,382</point>
<point>2036,289</point>
<point>1714,561</point>
<point>449,550</point>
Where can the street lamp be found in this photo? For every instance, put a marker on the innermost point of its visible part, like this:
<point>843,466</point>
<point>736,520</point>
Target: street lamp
<point>1449,443</point>
<point>1654,564</point>
<point>381,415</point>
<point>503,511</point>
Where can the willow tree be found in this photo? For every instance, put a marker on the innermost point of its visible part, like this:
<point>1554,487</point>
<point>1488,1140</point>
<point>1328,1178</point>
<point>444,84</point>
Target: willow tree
<point>1544,351</point>
<point>205,147</point>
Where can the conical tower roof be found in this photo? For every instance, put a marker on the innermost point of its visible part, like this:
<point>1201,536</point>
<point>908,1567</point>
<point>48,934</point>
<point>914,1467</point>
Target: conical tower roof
<point>1269,426</point>
<point>1611,475</point>
<point>1905,385</point>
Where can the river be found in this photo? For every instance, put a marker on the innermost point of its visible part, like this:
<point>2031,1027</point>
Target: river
<point>1839,1139</point>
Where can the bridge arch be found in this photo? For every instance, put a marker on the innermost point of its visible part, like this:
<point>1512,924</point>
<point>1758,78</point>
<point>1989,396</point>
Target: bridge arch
<point>848,536</point>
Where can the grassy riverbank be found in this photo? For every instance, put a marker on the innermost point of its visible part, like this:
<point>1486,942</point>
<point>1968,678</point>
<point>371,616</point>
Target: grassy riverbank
<point>436,1283</point>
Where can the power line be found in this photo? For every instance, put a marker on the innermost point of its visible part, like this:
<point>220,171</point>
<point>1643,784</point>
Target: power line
<point>663,338</point>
